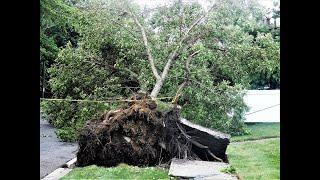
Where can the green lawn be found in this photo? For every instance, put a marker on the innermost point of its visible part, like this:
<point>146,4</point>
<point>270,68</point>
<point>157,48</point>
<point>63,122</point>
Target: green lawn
<point>256,159</point>
<point>120,172</point>
<point>259,131</point>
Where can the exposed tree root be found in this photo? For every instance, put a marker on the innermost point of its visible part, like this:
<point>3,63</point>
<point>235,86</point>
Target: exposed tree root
<point>137,134</point>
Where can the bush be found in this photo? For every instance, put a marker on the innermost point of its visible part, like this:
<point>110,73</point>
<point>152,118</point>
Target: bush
<point>70,117</point>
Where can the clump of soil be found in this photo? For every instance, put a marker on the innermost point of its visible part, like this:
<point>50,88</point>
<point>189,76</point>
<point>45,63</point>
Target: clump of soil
<point>137,134</point>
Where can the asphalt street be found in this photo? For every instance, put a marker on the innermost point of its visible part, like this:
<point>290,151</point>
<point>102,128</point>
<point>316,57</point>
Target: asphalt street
<point>53,153</point>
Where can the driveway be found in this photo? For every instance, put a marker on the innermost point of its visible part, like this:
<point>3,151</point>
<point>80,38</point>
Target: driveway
<point>53,153</point>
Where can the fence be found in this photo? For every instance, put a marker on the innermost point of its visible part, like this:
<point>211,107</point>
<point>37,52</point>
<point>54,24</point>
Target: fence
<point>264,105</point>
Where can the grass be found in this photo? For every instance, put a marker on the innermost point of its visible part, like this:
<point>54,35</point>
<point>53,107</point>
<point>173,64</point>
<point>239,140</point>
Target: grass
<point>259,131</point>
<point>256,159</point>
<point>122,171</point>
<point>229,170</point>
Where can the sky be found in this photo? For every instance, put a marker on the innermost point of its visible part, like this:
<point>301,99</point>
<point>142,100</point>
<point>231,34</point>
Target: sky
<point>154,3</point>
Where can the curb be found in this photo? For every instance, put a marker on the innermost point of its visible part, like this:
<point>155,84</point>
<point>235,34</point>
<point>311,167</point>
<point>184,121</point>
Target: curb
<point>57,174</point>
<point>70,164</point>
<point>62,171</point>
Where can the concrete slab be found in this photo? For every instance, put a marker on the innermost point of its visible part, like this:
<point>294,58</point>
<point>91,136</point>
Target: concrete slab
<point>216,141</point>
<point>199,170</point>
<point>204,129</point>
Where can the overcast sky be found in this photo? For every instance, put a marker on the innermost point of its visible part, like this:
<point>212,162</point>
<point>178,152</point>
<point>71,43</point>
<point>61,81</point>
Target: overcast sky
<point>154,3</point>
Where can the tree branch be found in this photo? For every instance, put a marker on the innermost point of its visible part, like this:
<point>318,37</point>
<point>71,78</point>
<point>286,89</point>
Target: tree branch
<point>174,54</point>
<point>196,22</point>
<point>121,25</point>
<point>181,14</point>
<point>133,74</point>
<point>145,42</point>
<point>187,78</point>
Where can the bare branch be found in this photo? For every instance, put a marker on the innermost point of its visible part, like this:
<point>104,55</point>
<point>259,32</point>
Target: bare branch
<point>174,54</point>
<point>196,22</point>
<point>187,78</point>
<point>145,42</point>
<point>188,62</point>
<point>181,14</point>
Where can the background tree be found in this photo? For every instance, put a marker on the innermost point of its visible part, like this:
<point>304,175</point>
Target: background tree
<point>56,30</point>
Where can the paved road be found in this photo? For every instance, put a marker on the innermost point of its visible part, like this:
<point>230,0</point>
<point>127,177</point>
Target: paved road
<point>53,153</point>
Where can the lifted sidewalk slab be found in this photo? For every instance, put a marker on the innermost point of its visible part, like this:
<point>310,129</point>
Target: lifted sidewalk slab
<point>199,170</point>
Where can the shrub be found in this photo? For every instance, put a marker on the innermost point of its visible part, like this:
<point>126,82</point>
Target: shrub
<point>70,117</point>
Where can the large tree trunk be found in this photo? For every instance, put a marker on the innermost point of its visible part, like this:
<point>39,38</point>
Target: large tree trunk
<point>172,56</point>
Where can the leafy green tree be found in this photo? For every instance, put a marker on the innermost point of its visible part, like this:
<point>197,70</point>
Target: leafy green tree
<point>206,57</point>
<point>276,15</point>
<point>56,21</point>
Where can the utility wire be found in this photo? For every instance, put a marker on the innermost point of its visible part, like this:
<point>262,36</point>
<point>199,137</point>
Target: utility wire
<point>262,109</point>
<point>98,101</point>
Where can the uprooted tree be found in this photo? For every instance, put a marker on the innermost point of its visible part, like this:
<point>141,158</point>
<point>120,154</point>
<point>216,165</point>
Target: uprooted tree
<point>139,133</point>
<point>234,51</point>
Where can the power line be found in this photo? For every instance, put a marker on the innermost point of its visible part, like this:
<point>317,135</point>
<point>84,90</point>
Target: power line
<point>97,101</point>
<point>262,109</point>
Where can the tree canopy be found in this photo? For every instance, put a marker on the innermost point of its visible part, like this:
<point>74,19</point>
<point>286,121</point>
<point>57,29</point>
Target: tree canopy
<point>98,49</point>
